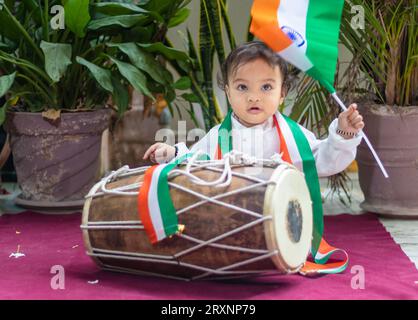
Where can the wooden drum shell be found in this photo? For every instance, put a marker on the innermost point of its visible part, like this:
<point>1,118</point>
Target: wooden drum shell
<point>203,222</point>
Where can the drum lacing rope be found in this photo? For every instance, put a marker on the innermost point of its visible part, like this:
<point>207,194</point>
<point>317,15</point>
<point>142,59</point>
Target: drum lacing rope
<point>232,158</point>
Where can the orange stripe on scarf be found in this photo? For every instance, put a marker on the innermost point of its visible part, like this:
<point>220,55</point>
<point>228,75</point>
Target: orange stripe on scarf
<point>143,209</point>
<point>283,145</point>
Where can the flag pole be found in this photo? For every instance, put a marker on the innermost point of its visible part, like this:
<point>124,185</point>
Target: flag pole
<point>382,168</point>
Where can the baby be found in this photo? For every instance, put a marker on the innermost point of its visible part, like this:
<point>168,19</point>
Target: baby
<point>255,80</point>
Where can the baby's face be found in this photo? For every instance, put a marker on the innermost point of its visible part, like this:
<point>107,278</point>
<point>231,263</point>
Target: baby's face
<point>255,91</point>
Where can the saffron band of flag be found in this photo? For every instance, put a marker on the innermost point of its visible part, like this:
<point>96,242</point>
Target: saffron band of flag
<point>303,32</point>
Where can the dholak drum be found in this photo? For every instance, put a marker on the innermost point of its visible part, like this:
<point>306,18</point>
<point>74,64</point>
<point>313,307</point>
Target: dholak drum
<point>260,222</point>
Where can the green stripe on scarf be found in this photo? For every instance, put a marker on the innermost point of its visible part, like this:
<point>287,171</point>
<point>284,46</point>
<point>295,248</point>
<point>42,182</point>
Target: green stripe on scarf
<point>312,180</point>
<point>167,209</point>
<point>224,134</point>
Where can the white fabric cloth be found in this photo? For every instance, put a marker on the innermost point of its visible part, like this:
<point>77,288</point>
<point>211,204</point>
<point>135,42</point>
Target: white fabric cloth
<point>332,155</point>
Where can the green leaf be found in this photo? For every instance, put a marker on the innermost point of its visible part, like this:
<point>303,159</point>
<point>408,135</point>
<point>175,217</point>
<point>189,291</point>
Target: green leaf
<point>145,61</point>
<point>139,34</point>
<point>183,83</point>
<point>6,82</point>
<point>121,9</point>
<point>8,22</point>
<point>57,58</point>
<point>190,97</point>
<point>5,29</point>
<point>3,110</point>
<point>179,18</point>
<point>213,19</point>
<point>170,96</point>
<point>102,76</point>
<point>125,21</point>
<point>120,95</point>
<point>169,53</point>
<point>3,113</point>
<point>31,5</point>
<point>160,6</point>
<point>228,26</point>
<point>155,87</point>
<point>7,45</point>
<point>186,66</point>
<point>207,51</point>
<point>77,16</point>
<point>117,8</point>
<point>191,46</point>
<point>135,77</point>
<point>206,45</point>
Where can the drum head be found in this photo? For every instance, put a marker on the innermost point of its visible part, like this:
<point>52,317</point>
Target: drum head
<point>290,230</point>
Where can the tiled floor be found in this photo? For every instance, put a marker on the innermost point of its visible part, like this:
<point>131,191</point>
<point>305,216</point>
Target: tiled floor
<point>404,232</point>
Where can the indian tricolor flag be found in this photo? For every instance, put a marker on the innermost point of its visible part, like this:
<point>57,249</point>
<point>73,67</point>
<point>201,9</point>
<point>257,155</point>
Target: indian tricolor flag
<point>304,32</point>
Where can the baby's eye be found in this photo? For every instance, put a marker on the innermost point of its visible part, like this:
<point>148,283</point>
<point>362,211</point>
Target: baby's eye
<point>241,87</point>
<point>266,87</point>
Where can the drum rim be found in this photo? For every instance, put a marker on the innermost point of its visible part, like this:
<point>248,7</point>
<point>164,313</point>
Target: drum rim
<point>270,225</point>
<point>86,236</point>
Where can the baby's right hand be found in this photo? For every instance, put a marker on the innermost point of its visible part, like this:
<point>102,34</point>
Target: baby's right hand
<point>160,153</point>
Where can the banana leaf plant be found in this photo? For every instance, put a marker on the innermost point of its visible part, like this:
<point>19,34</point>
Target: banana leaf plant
<point>72,55</point>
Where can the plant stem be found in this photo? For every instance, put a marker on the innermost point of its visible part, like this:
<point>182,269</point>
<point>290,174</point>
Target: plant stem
<point>24,33</point>
<point>21,62</point>
<point>46,17</point>
<point>44,93</point>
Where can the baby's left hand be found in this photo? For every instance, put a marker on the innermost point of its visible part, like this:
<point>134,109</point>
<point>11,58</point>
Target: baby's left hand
<point>350,122</point>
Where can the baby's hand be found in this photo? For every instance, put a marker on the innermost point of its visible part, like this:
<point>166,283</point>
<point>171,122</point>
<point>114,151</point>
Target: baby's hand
<point>350,122</point>
<point>160,153</point>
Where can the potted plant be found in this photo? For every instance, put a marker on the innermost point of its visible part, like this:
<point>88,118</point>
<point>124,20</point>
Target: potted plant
<point>61,61</point>
<point>131,135</point>
<point>385,52</point>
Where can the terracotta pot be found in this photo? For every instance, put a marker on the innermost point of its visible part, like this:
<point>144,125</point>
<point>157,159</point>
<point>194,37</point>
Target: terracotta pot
<point>393,132</point>
<point>56,163</point>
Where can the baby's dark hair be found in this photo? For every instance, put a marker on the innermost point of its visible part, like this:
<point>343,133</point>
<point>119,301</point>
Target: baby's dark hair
<point>248,52</point>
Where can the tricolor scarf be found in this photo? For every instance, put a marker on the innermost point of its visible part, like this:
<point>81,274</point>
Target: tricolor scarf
<point>296,150</point>
<point>155,207</point>
<point>303,32</point>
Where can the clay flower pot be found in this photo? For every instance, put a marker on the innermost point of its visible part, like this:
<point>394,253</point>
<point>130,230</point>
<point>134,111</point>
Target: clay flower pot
<point>56,163</point>
<point>394,133</point>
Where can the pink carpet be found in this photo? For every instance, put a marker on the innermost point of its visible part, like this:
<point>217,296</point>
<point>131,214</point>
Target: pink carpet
<point>56,240</point>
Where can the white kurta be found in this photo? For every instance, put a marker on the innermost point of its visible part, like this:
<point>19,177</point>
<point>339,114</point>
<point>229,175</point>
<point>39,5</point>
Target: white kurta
<point>332,155</point>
